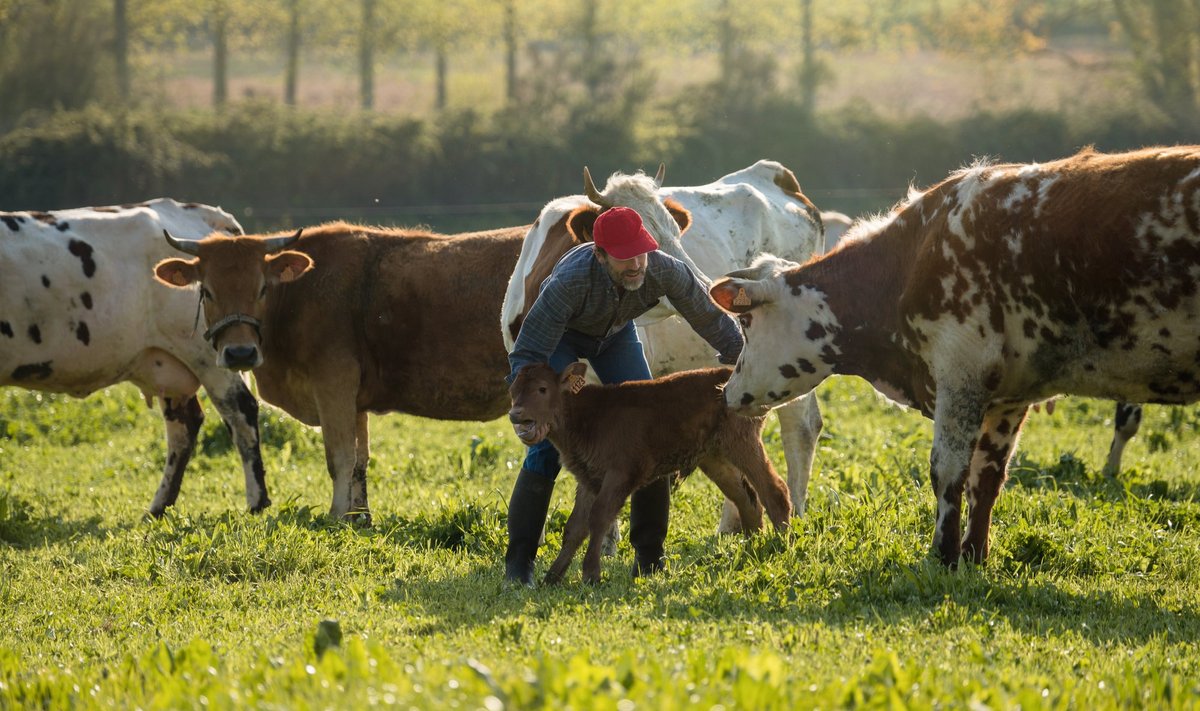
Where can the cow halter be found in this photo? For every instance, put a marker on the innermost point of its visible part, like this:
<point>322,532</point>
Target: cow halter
<point>217,328</point>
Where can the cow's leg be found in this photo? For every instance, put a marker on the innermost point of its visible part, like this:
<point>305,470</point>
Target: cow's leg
<point>1126,421</point>
<point>239,409</point>
<point>737,490</point>
<point>613,493</point>
<point>339,415</point>
<point>800,427</point>
<point>957,419</point>
<point>159,374</point>
<point>182,417</point>
<point>362,456</point>
<point>989,468</point>
<point>574,534</point>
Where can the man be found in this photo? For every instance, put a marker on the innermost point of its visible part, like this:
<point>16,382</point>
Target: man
<point>586,309</point>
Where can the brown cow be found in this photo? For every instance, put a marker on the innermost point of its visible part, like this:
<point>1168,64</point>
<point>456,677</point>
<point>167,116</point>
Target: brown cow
<point>616,439</point>
<point>999,287</point>
<point>352,320</point>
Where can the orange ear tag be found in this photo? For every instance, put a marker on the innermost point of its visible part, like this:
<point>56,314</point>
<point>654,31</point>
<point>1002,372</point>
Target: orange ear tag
<point>742,298</point>
<point>576,384</point>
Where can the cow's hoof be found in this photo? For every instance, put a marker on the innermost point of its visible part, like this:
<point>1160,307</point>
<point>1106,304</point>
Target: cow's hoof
<point>258,508</point>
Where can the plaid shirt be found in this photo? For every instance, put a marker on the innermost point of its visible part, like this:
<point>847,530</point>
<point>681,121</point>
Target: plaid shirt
<point>580,295</point>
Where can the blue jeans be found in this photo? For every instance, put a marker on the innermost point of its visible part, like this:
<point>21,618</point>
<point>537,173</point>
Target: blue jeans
<point>615,359</point>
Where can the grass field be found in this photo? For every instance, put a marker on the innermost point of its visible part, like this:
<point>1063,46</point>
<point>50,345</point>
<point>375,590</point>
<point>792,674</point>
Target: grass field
<point>1088,601</point>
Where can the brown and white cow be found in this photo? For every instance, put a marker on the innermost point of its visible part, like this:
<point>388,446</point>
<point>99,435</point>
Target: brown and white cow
<point>78,312</point>
<point>347,320</point>
<point>999,287</point>
<point>714,229</point>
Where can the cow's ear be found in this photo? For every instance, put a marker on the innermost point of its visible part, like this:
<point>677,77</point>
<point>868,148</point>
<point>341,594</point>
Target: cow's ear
<point>178,272</point>
<point>580,222</point>
<point>572,377</point>
<point>735,295</point>
<point>680,214</point>
<point>287,266</point>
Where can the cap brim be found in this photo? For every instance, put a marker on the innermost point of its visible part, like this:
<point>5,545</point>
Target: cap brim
<point>644,243</point>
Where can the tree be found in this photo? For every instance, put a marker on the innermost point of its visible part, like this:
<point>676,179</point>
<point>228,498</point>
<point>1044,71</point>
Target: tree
<point>121,48</point>
<point>1164,36</point>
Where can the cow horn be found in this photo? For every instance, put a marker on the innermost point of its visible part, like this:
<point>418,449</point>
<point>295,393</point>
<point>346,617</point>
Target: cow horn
<point>191,246</point>
<point>662,173</point>
<point>589,189</point>
<point>274,244</point>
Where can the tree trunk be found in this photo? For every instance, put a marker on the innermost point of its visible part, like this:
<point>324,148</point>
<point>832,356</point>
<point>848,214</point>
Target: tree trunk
<point>510,50</point>
<point>726,39</point>
<point>590,65</point>
<point>440,63</point>
<point>121,48</point>
<point>220,56</point>
<point>366,56</point>
<point>808,70</point>
<point>292,72</point>
<point>1165,53</point>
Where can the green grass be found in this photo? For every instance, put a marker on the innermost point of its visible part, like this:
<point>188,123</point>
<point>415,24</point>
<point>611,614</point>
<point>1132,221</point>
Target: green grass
<point>1088,601</point>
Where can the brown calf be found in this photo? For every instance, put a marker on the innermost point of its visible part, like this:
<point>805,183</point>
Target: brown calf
<point>616,439</point>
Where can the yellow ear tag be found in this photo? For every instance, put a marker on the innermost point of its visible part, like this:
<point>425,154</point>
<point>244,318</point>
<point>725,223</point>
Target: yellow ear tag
<point>742,298</point>
<point>576,384</point>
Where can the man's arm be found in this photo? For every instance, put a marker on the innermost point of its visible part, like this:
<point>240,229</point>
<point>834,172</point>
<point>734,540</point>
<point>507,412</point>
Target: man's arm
<point>690,297</point>
<point>543,328</point>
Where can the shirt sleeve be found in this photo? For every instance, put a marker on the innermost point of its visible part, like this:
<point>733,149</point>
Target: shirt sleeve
<point>691,299</point>
<point>543,327</point>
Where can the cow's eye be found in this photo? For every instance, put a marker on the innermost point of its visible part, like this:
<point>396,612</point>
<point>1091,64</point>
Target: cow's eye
<point>262,292</point>
<point>745,320</point>
<point>205,294</point>
<point>542,390</point>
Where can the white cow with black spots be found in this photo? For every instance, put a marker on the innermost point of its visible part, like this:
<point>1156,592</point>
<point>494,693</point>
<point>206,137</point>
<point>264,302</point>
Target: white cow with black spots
<point>712,228</point>
<point>80,310</point>
<point>1001,286</point>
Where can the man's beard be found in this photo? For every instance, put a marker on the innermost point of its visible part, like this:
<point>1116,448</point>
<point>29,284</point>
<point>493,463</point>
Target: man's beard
<point>625,281</point>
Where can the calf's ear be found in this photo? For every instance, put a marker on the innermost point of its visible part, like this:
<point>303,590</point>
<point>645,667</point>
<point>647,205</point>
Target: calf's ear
<point>177,272</point>
<point>287,266</point>
<point>572,377</point>
<point>735,295</point>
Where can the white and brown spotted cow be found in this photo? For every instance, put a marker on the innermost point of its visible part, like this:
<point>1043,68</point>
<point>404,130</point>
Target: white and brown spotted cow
<point>999,287</point>
<point>79,311</point>
<point>713,229</point>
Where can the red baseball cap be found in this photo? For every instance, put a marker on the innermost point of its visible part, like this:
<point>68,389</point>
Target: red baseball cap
<point>619,231</point>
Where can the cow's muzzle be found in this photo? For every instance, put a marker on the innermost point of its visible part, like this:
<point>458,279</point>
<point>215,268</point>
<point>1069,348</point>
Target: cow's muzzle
<point>214,332</point>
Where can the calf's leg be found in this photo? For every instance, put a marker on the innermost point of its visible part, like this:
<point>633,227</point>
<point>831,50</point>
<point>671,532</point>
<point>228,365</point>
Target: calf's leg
<point>737,490</point>
<point>612,495</point>
<point>573,535</point>
<point>741,444</point>
<point>989,468</point>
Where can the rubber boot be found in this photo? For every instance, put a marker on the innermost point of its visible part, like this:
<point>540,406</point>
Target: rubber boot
<point>526,518</point>
<point>649,512</point>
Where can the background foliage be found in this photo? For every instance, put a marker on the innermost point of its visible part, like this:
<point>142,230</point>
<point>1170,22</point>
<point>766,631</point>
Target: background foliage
<point>484,109</point>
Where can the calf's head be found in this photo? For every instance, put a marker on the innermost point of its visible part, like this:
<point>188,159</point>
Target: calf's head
<point>235,274</point>
<point>537,399</point>
<point>789,331</point>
